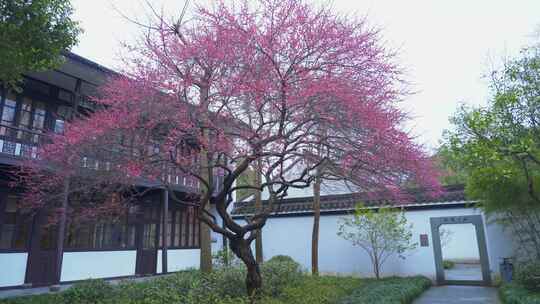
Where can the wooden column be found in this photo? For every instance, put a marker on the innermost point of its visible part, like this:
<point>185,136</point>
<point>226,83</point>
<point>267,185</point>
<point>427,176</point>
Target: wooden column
<point>65,195</point>
<point>62,230</point>
<point>259,257</point>
<point>164,231</point>
<point>76,99</point>
<point>2,92</point>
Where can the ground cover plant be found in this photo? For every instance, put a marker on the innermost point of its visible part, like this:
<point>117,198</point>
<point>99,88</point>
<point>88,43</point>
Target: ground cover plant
<point>514,293</point>
<point>284,284</point>
<point>448,264</point>
<point>525,289</point>
<point>389,291</point>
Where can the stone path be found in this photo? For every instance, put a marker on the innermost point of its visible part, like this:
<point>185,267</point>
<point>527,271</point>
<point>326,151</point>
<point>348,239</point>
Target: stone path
<point>464,272</point>
<point>459,294</point>
<point>19,292</point>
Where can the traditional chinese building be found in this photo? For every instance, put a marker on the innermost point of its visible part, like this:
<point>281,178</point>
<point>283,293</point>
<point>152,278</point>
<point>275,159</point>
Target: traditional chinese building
<point>30,254</point>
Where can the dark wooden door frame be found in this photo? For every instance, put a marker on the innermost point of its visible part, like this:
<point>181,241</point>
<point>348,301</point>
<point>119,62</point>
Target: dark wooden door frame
<point>478,223</point>
<point>41,263</point>
<point>144,254</point>
<point>36,256</point>
<point>2,208</point>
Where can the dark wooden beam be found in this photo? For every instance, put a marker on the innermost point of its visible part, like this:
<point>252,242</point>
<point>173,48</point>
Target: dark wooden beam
<point>65,195</point>
<point>164,231</point>
<point>76,99</point>
<point>62,232</point>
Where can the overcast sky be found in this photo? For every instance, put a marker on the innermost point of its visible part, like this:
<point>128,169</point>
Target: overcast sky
<point>446,46</point>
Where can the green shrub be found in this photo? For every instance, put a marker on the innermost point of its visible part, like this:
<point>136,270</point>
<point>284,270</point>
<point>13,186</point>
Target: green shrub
<point>528,275</point>
<point>389,291</point>
<point>89,292</point>
<point>227,281</point>
<point>281,259</point>
<point>448,264</point>
<point>183,281</point>
<point>513,293</point>
<point>279,272</point>
<point>160,290</point>
<point>225,258</point>
<point>188,287</point>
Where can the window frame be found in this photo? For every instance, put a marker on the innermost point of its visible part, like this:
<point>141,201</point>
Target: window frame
<point>125,222</point>
<point>50,100</point>
<point>14,122</point>
<point>19,222</point>
<point>14,131</point>
<point>178,218</point>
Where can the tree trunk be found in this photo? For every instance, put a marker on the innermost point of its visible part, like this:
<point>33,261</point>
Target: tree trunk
<point>376,267</point>
<point>241,248</point>
<point>206,248</point>
<point>316,221</point>
<point>204,230</point>
<point>258,206</point>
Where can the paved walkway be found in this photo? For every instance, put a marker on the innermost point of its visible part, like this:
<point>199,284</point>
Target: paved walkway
<point>459,294</point>
<point>465,272</point>
<point>19,292</point>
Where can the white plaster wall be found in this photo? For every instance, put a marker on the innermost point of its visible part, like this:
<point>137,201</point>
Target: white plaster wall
<point>292,236</point>
<point>98,264</point>
<point>500,243</point>
<point>12,268</point>
<point>327,188</point>
<point>217,238</point>
<point>462,244</point>
<point>180,259</point>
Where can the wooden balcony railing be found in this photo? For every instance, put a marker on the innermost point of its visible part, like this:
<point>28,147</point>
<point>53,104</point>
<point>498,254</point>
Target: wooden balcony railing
<point>20,142</point>
<point>23,143</point>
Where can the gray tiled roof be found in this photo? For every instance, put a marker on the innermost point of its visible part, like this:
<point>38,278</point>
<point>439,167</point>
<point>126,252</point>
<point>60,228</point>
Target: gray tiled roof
<point>344,202</point>
<point>88,62</point>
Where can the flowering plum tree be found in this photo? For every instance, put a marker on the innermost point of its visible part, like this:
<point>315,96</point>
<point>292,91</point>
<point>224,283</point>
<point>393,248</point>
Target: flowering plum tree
<point>238,84</point>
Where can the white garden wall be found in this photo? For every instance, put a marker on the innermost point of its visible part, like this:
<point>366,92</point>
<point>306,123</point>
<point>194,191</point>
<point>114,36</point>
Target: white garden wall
<point>500,243</point>
<point>12,268</point>
<point>179,259</point>
<point>98,264</point>
<point>292,236</point>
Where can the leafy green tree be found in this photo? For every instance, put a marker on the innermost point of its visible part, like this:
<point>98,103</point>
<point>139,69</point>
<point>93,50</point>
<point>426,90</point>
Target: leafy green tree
<point>498,148</point>
<point>32,36</point>
<point>450,172</point>
<point>380,233</point>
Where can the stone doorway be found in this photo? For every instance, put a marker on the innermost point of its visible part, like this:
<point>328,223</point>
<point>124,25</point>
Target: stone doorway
<point>468,255</point>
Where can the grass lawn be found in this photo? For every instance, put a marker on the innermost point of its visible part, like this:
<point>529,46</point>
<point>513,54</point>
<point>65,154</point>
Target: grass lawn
<point>284,283</point>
